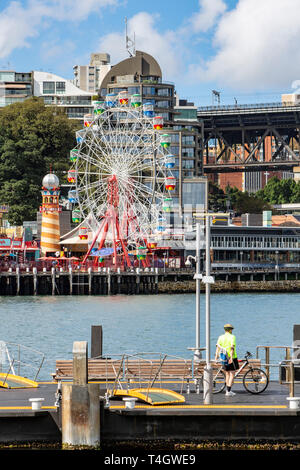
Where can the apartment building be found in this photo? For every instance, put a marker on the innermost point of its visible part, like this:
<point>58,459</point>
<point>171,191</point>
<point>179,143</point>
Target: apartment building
<point>89,77</point>
<point>61,92</point>
<point>14,86</point>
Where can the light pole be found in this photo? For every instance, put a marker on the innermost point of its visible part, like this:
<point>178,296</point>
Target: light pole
<point>241,253</point>
<point>197,352</point>
<point>277,265</point>
<point>208,280</point>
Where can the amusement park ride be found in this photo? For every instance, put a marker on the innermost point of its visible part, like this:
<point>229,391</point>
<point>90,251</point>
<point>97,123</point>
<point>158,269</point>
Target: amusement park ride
<point>121,178</point>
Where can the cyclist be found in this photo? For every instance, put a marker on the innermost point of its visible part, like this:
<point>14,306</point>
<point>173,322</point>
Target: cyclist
<point>226,350</point>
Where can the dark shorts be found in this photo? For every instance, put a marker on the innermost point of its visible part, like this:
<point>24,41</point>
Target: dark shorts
<point>233,366</point>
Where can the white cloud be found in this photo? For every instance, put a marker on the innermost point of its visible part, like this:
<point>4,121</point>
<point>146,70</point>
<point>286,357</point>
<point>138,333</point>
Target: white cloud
<point>165,47</point>
<point>257,46</point>
<point>19,22</point>
<point>73,10</point>
<point>210,11</point>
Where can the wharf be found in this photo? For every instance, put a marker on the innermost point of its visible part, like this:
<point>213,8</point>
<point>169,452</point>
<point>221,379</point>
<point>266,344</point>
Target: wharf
<point>143,282</point>
<point>244,417</point>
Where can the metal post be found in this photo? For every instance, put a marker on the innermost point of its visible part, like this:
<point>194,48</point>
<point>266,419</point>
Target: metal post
<point>207,382</point>
<point>292,379</point>
<point>197,353</point>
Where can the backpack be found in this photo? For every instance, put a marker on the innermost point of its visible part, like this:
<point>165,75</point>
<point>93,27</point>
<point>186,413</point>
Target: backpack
<point>224,358</point>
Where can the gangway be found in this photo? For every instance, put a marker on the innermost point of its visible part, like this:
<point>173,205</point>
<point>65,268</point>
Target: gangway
<point>134,368</point>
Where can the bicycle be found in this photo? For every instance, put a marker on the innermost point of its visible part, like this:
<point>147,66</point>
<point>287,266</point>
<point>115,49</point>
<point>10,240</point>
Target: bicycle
<point>255,380</point>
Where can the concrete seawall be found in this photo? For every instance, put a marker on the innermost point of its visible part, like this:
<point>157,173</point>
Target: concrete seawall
<point>189,286</point>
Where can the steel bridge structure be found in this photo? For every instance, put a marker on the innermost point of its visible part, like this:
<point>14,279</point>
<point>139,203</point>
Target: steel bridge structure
<point>242,133</point>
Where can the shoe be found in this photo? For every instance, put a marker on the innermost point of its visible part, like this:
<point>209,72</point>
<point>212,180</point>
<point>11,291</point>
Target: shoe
<point>230,394</point>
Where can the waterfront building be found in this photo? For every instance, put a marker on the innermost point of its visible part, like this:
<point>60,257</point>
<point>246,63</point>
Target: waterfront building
<point>62,93</point>
<point>50,209</point>
<point>14,86</point>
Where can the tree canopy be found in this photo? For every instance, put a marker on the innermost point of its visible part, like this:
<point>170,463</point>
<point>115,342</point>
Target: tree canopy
<point>286,191</point>
<point>236,200</point>
<point>34,138</point>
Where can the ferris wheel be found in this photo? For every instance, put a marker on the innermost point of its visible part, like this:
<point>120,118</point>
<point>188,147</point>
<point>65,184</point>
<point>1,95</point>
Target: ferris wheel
<point>121,174</point>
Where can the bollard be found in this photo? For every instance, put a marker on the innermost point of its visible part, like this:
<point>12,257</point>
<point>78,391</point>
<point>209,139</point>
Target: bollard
<point>71,279</point>
<point>80,404</point>
<point>34,270</point>
<point>18,280</point>
<point>90,280</point>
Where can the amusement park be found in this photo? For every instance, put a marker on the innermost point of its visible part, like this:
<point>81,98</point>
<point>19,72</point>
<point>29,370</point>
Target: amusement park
<point>120,185</point>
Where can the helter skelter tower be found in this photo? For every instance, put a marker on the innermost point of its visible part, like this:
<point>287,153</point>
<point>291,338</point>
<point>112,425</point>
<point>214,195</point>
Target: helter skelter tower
<point>50,231</point>
<point>121,176</point>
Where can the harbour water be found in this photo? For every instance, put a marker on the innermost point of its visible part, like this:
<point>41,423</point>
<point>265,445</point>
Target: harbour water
<point>160,323</point>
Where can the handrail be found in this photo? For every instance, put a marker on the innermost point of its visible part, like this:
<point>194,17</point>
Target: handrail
<point>290,375</point>
<point>267,355</point>
<point>34,365</point>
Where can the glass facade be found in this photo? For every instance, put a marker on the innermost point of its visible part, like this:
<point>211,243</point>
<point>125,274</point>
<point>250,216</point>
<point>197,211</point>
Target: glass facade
<point>60,87</point>
<point>48,88</point>
<point>194,193</point>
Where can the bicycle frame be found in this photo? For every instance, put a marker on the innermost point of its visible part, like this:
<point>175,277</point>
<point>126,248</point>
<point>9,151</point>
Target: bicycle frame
<point>245,363</point>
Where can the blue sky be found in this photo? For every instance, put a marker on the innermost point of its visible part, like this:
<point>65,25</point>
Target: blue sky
<point>246,49</point>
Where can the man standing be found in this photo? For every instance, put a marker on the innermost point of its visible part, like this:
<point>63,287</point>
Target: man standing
<point>227,345</point>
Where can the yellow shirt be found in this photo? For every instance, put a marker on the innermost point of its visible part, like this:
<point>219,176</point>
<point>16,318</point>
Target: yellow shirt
<point>226,341</point>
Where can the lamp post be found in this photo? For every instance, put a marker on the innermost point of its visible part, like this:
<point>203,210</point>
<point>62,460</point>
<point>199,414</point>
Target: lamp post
<point>208,280</point>
<point>197,351</point>
<point>241,253</point>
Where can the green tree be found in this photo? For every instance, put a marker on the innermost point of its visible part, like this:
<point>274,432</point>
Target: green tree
<point>33,139</point>
<point>250,203</point>
<point>216,198</point>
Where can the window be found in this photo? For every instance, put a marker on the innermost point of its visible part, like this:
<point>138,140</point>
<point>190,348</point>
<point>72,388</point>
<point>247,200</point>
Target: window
<point>7,76</point>
<point>162,104</point>
<point>174,138</point>
<point>188,152</point>
<point>194,193</point>
<point>48,88</point>
<point>189,164</point>
<point>188,139</point>
<point>60,87</point>
<point>133,90</point>
<point>164,91</point>
<point>148,90</point>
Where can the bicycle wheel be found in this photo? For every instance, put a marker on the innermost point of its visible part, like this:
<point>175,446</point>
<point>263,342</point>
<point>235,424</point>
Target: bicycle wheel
<point>219,381</point>
<point>255,381</point>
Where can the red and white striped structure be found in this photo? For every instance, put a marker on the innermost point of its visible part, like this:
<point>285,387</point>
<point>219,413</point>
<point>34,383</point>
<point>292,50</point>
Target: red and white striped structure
<point>50,231</point>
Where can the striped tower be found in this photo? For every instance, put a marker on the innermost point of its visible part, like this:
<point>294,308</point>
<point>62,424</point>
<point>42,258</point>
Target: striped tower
<point>50,233</point>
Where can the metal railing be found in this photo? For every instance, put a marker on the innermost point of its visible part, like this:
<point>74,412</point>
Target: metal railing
<point>267,350</point>
<point>251,106</point>
<point>20,359</point>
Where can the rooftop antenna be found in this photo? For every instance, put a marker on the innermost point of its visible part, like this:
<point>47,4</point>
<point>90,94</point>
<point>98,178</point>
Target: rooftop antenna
<point>216,97</point>
<point>130,44</point>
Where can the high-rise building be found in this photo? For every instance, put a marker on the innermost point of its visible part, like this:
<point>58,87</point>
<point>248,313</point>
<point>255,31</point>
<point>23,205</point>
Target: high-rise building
<point>89,77</point>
